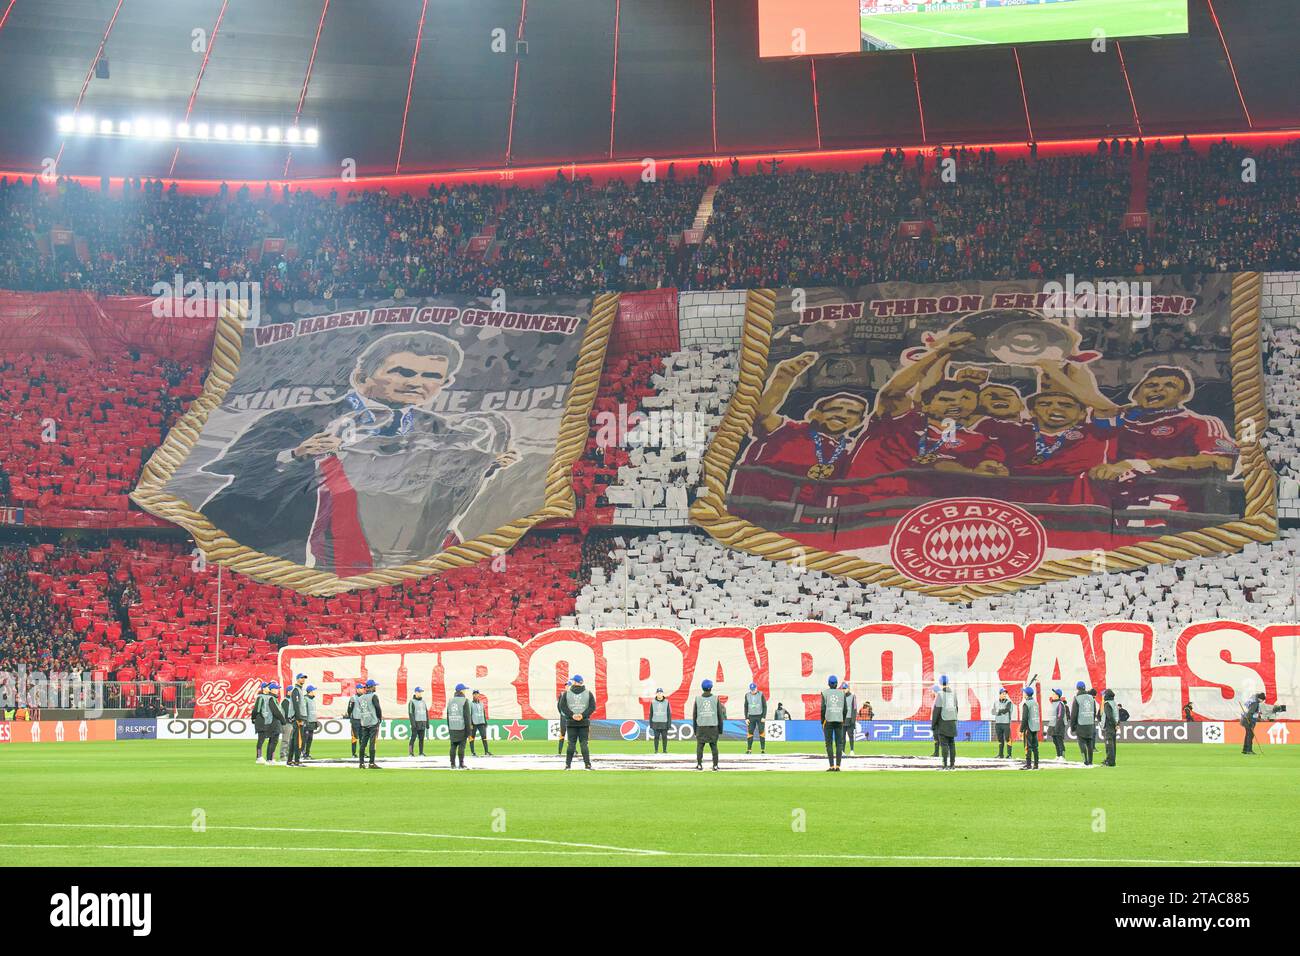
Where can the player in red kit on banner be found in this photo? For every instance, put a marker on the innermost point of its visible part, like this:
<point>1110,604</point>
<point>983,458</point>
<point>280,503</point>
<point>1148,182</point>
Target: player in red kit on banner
<point>934,436</point>
<point>1057,443</point>
<point>803,453</point>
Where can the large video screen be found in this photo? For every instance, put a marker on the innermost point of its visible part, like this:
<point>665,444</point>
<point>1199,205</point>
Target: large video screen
<point>822,27</point>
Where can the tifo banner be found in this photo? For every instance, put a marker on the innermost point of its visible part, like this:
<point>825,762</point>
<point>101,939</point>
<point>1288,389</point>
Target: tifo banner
<point>367,443</point>
<point>57,731</point>
<point>227,690</point>
<point>889,666</point>
<point>973,438</point>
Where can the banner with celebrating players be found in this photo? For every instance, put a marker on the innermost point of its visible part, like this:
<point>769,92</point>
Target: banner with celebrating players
<point>362,443</point>
<point>974,438</point>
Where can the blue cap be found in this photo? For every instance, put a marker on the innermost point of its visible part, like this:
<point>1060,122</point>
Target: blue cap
<point>576,679</point>
<point>310,688</point>
<point>1081,685</point>
<point>1029,692</point>
<point>460,687</point>
<point>263,685</point>
<point>943,679</point>
<point>1002,690</point>
<point>706,684</point>
<point>359,684</point>
<point>273,686</point>
<point>832,680</point>
<point>753,687</point>
<point>301,677</point>
<point>659,690</point>
<point>935,688</point>
<point>1057,692</point>
<point>419,690</point>
<point>371,683</point>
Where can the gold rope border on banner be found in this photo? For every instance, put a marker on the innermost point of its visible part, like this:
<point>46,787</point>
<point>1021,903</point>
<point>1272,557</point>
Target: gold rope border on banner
<point>221,548</point>
<point>1258,524</point>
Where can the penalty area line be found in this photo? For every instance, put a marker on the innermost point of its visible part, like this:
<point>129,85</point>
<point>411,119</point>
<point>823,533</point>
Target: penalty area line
<point>339,831</point>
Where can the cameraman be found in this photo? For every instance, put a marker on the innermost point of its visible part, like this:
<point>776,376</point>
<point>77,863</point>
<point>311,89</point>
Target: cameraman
<point>1249,719</point>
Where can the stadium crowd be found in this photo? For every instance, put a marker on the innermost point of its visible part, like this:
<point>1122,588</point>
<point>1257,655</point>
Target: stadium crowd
<point>143,608</point>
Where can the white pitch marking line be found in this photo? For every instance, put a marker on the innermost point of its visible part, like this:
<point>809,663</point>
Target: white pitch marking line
<point>191,848</point>
<point>910,26</point>
<point>604,850</point>
<point>340,831</point>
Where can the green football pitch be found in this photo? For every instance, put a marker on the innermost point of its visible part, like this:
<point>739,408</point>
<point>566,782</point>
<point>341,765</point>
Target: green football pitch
<point>208,804</point>
<point>1072,20</point>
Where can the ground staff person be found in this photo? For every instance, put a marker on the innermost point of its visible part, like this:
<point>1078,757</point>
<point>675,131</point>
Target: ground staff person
<point>351,714</point>
<point>661,718</point>
<point>706,718</point>
<point>1109,726</point>
<point>1083,721</point>
<point>297,714</point>
<point>577,704</point>
<point>945,724</point>
<point>755,714</point>
<point>267,718</point>
<point>833,712</point>
<point>1002,710</point>
<point>1029,726</point>
<point>564,723</point>
<point>1058,719</point>
<point>417,712</point>
<point>309,721</point>
<point>369,714</point>
<point>459,724</point>
<point>478,713</point>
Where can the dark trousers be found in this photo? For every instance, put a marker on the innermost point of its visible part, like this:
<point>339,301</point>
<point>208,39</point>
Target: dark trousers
<point>356,735</point>
<point>1248,745</point>
<point>295,741</point>
<point>307,736</point>
<point>270,738</point>
<point>756,726</point>
<point>660,737</point>
<point>833,730</point>
<point>850,733</point>
<point>418,730</point>
<point>1087,744</point>
<point>706,735</point>
<point>1031,749</point>
<point>577,734</point>
<point>480,731</point>
<point>948,750</point>
<point>1058,738</point>
<point>1109,736</point>
<point>936,742</point>
<point>457,751</point>
<point>368,735</point>
<point>1004,738</point>
<point>564,733</point>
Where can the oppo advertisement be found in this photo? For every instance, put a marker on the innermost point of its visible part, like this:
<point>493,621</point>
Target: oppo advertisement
<point>821,27</point>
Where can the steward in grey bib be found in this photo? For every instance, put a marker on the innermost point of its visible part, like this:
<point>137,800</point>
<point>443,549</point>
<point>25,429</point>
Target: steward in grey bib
<point>755,714</point>
<point>850,722</point>
<point>1029,727</point>
<point>351,715</point>
<point>834,711</point>
<point>1058,718</point>
<point>1083,721</point>
<point>417,712</point>
<point>267,719</point>
<point>1109,726</point>
<point>577,704</point>
<point>369,715</point>
<point>1002,710</point>
<point>459,725</point>
<point>706,718</point>
<point>661,718</point>
<point>297,714</point>
<point>478,718</point>
<point>309,725</point>
<point>943,720</point>
<point>564,723</point>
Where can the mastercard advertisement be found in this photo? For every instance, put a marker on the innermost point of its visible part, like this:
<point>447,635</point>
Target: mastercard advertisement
<point>789,28</point>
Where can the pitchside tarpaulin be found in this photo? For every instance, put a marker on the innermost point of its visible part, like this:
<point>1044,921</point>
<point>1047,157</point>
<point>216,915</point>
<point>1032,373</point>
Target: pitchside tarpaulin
<point>369,442</point>
<point>974,438</point>
<point>890,666</point>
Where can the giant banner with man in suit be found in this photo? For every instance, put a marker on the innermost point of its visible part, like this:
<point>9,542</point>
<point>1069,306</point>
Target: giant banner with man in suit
<point>360,444</point>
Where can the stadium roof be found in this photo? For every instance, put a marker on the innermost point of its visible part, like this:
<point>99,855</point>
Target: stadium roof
<point>627,78</point>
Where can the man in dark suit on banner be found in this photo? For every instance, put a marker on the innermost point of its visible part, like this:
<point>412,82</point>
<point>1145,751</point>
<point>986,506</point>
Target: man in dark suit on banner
<point>374,479</point>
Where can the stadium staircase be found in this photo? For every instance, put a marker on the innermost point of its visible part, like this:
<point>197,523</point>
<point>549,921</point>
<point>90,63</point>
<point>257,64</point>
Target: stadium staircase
<point>704,212</point>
